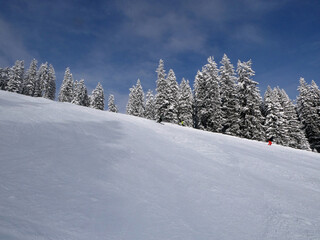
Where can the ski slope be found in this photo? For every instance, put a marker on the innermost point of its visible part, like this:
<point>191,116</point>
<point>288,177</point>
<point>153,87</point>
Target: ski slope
<point>75,173</point>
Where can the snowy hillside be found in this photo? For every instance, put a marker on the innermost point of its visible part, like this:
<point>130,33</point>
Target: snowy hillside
<point>70,172</point>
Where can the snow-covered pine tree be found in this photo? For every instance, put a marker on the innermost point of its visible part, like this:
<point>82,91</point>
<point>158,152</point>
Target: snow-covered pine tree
<point>251,119</point>
<point>50,90</point>
<point>308,114</point>
<point>4,78</point>
<point>195,120</point>
<point>213,114</point>
<point>111,105</point>
<point>97,98</point>
<point>172,96</point>
<point>267,100</point>
<point>149,110</point>
<point>76,93</point>
<point>185,103</point>
<point>131,101</point>
<point>135,104</point>
<point>86,98</point>
<point>315,92</point>
<point>229,98</point>
<point>80,96</point>
<point>199,100</point>
<point>303,102</point>
<point>315,95</point>
<point>275,120</point>
<point>30,79</point>
<point>37,85</point>
<point>161,99</point>
<point>139,103</point>
<point>283,130</point>
<point>66,90</point>
<point>44,79</point>
<point>15,83</point>
<point>293,126</point>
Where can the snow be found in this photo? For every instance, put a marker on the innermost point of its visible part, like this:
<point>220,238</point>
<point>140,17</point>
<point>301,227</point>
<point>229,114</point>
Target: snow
<point>71,172</point>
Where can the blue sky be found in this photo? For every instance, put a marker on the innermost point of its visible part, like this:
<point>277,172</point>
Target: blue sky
<point>117,42</point>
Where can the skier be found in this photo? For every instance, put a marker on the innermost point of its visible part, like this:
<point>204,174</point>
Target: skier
<point>270,141</point>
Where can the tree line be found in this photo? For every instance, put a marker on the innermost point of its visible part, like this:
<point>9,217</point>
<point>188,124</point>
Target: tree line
<point>35,82</point>
<point>41,82</point>
<point>227,100</point>
<point>223,100</point>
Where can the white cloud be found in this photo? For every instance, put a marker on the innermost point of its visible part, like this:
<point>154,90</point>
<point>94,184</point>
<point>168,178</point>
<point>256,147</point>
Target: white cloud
<point>165,27</point>
<point>12,47</point>
<point>249,33</point>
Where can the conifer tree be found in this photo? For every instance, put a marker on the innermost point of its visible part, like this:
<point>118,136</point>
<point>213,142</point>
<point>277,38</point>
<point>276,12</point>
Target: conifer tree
<point>275,120</point>
<point>15,83</point>
<point>266,101</point>
<point>30,79</point>
<point>4,78</point>
<point>251,119</point>
<point>66,90</point>
<point>315,92</point>
<point>80,96</point>
<point>111,105</point>
<point>50,90</point>
<point>283,130</point>
<point>229,98</point>
<point>315,96</point>
<point>307,104</point>
<point>149,111</point>
<point>139,103</point>
<point>85,97</point>
<point>172,97</point>
<point>131,101</point>
<point>185,103</point>
<point>207,94</point>
<point>135,104</point>
<point>76,93</point>
<point>195,114</point>
<point>37,85</point>
<point>161,100</point>
<point>97,98</point>
<point>293,127</point>
<point>44,79</point>
<point>199,100</point>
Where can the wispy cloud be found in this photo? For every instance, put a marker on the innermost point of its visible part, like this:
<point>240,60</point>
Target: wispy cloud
<point>166,27</point>
<point>12,46</point>
<point>249,33</point>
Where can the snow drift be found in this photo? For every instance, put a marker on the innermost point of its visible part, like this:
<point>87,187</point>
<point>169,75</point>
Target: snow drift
<point>70,172</point>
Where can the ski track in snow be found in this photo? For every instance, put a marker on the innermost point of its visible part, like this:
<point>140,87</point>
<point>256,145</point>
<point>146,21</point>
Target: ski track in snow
<point>70,172</point>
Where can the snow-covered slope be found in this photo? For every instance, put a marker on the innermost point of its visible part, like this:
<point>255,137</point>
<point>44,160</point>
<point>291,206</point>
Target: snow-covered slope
<point>69,172</point>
